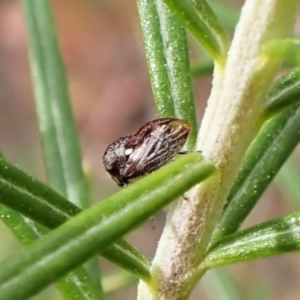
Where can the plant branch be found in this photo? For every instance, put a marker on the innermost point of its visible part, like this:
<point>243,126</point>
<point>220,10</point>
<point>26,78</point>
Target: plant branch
<point>227,129</point>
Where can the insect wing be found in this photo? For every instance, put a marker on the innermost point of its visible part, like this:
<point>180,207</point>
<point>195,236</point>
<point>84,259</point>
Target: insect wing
<point>139,137</point>
<point>156,148</point>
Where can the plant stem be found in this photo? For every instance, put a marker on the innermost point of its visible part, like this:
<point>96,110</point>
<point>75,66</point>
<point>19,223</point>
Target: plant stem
<point>229,125</point>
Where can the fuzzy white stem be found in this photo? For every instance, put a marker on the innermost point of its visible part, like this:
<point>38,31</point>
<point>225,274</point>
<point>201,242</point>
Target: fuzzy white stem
<point>226,131</point>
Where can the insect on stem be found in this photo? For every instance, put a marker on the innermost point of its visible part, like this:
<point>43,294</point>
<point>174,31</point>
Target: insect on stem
<point>152,146</point>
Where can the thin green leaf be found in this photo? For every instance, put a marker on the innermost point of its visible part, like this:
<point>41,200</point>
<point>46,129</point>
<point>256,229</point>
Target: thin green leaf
<point>284,94</point>
<point>168,63</point>
<point>40,203</point>
<point>265,156</point>
<point>199,19</point>
<point>77,284</point>
<point>97,227</point>
<point>56,124</point>
<point>129,258</point>
<point>33,199</point>
<point>155,56</point>
<point>74,285</point>
<point>277,236</point>
<point>23,228</point>
<point>176,53</point>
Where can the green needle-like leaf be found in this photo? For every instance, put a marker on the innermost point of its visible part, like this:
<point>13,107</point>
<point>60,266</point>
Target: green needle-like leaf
<point>57,129</point>
<point>127,257</point>
<point>33,199</point>
<point>168,62</point>
<point>76,285</point>
<point>265,156</point>
<point>58,133</point>
<point>176,52</point>
<point>277,236</point>
<point>267,153</point>
<point>154,49</point>
<point>40,203</point>
<point>199,19</point>
<point>23,228</point>
<point>284,94</point>
<point>81,237</point>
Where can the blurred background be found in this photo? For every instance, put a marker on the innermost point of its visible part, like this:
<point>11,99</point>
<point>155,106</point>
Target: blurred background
<point>102,49</point>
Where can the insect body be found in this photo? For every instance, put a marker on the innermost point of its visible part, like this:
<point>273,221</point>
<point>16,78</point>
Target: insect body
<point>153,145</point>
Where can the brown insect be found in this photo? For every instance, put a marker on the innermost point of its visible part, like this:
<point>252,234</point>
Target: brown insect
<point>153,145</point>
